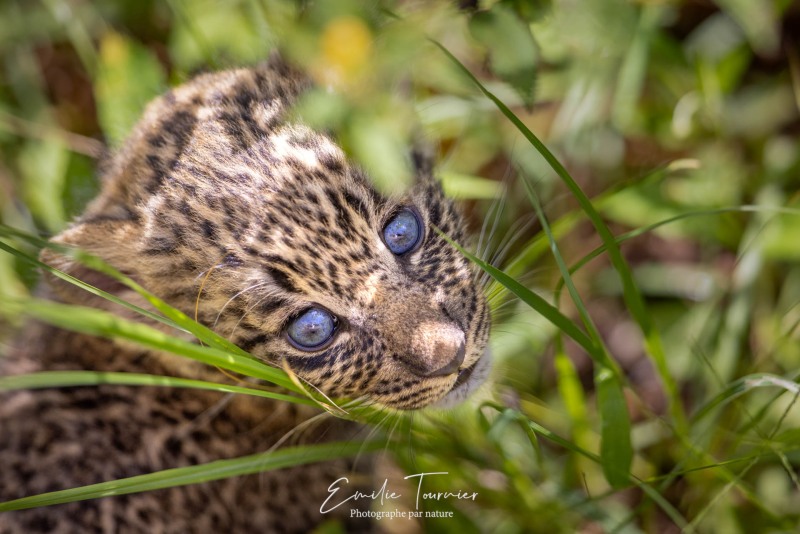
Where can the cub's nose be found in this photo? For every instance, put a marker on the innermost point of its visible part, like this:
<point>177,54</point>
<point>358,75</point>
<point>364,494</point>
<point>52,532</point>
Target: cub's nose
<point>452,366</point>
<point>437,349</point>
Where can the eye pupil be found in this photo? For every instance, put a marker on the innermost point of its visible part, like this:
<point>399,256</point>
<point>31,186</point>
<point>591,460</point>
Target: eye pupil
<point>311,329</point>
<point>403,232</point>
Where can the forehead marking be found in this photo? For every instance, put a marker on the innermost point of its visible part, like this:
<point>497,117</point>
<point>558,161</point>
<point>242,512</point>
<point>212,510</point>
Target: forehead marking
<point>284,149</point>
<point>368,291</point>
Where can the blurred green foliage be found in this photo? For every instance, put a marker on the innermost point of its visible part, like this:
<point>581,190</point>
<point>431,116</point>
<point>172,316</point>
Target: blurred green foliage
<point>659,110</point>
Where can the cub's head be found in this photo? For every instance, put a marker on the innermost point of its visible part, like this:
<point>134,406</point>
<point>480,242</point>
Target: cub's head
<point>217,202</point>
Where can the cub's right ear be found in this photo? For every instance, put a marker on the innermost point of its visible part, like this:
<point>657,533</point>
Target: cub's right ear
<point>423,157</point>
<point>114,241</point>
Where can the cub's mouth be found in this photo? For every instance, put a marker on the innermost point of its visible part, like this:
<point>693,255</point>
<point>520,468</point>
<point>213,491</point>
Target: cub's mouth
<point>464,375</point>
<point>469,379</point>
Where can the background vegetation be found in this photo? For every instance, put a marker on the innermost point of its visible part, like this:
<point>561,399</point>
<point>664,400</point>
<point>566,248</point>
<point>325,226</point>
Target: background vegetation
<point>658,394</point>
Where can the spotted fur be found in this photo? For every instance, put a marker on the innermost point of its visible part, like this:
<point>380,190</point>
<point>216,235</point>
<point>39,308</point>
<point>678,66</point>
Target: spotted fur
<point>221,203</point>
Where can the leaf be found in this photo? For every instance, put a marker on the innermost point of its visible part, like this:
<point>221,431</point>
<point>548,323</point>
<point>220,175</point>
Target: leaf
<point>616,451</point>
<point>538,429</point>
<point>205,32</point>
<point>378,143</point>
<point>43,166</point>
<point>632,296</point>
<point>514,54</point>
<point>758,19</point>
<point>182,476</point>
<point>744,385</point>
<point>547,310</point>
<point>129,76</point>
<point>174,317</point>
<point>465,186</point>
<point>60,379</point>
<point>6,231</point>
<point>104,324</point>
<point>529,10</point>
<point>605,360</point>
<point>569,387</point>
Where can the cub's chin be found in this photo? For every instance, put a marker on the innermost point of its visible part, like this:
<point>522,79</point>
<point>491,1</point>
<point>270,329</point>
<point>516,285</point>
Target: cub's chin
<point>468,381</point>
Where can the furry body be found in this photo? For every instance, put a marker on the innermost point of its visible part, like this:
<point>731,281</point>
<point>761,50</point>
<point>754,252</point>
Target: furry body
<point>218,199</point>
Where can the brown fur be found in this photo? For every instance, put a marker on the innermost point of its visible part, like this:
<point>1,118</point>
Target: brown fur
<point>218,198</point>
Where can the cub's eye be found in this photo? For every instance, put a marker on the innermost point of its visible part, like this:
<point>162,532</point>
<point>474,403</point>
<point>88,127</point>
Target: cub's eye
<point>311,329</point>
<point>403,232</point>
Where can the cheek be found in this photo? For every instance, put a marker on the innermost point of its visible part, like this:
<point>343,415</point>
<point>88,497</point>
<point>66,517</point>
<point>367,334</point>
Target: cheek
<point>351,368</point>
<point>330,370</point>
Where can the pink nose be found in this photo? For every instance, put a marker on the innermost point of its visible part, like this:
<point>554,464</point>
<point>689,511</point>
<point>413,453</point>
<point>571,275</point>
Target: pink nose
<point>452,366</point>
<point>437,349</point>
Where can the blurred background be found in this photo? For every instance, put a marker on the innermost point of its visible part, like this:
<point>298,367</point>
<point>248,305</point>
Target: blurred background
<point>678,118</point>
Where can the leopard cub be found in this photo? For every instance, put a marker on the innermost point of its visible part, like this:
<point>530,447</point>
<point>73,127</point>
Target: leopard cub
<point>226,208</point>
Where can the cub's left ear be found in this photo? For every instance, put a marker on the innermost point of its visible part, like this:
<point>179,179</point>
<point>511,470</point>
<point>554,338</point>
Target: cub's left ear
<point>112,241</point>
<point>423,158</point>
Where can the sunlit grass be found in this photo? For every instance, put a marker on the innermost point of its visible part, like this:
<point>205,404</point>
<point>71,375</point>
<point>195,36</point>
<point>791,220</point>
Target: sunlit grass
<point>657,147</point>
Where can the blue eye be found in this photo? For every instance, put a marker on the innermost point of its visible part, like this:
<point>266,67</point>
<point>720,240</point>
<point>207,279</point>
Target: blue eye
<point>403,232</point>
<point>312,329</point>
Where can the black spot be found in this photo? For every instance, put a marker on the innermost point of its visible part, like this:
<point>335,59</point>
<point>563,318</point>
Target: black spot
<point>358,206</point>
<point>243,95</point>
<point>343,219</point>
<point>156,140</point>
<point>184,208</point>
<point>209,229</point>
<point>268,307</point>
<point>120,213</point>
<point>282,279</point>
<point>309,363</point>
<point>160,245</point>
<point>331,163</point>
<point>250,344</point>
<point>235,127</point>
<point>232,260</point>
<point>435,211</point>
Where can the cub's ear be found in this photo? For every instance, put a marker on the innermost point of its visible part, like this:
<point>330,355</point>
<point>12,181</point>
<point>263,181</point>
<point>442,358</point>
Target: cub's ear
<point>114,241</point>
<point>423,157</point>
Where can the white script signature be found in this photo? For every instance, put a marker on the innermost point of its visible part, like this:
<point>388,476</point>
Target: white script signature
<point>385,494</point>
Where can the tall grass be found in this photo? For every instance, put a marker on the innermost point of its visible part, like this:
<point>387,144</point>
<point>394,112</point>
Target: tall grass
<point>657,155</point>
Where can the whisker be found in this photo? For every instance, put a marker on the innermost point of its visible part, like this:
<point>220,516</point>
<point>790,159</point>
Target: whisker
<point>515,233</point>
<point>517,230</point>
<point>245,290</point>
<point>494,211</point>
<point>484,254</point>
<point>300,427</point>
<point>246,311</point>
<point>400,417</point>
<point>200,292</point>
<point>299,381</point>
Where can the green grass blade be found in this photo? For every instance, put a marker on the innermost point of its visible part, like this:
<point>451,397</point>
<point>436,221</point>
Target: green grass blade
<point>547,310</point>
<point>83,285</point>
<point>651,492</point>
<point>743,385</point>
<point>201,332</point>
<point>601,356</point>
<point>631,294</point>
<point>616,450</point>
<point>177,318</point>
<point>256,463</point>
<point>104,324</point>
<point>60,379</point>
<point>538,245</point>
<point>646,229</point>
<point>572,395</point>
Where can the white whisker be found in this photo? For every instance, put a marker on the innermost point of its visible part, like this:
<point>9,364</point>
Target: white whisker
<point>245,290</point>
